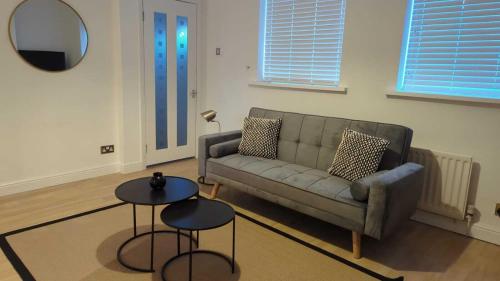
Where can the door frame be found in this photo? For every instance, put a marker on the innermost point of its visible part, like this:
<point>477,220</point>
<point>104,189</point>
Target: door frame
<point>200,57</point>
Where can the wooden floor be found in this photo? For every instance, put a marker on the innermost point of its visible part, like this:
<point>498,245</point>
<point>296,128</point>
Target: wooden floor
<point>417,251</point>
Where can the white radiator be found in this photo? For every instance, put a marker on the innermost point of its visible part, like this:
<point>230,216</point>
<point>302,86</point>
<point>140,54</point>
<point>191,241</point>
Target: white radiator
<point>446,182</point>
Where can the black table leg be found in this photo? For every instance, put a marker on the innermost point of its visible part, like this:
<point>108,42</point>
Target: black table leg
<point>178,241</point>
<point>190,255</point>
<point>234,240</point>
<point>151,233</point>
<point>152,236</point>
<point>197,239</point>
<point>135,222</point>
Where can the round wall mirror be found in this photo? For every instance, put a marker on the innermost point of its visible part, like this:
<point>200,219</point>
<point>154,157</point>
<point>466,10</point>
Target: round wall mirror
<point>48,34</point>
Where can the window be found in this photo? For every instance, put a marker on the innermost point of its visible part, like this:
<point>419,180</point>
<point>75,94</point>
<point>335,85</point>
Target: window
<point>301,41</point>
<point>452,47</point>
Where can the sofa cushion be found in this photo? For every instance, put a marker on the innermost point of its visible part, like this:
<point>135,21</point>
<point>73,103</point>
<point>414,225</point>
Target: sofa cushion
<point>358,155</point>
<point>260,137</point>
<point>312,187</point>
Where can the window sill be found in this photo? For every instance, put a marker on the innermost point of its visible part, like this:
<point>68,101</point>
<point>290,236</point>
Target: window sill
<point>437,97</point>
<point>312,88</point>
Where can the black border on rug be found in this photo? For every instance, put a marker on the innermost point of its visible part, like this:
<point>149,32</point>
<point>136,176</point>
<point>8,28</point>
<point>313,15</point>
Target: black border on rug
<point>26,275</point>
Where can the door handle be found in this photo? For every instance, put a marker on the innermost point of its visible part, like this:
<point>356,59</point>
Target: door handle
<point>194,94</point>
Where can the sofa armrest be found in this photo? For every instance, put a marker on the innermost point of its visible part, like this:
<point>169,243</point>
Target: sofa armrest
<point>206,141</point>
<point>360,189</point>
<point>224,148</point>
<point>393,198</point>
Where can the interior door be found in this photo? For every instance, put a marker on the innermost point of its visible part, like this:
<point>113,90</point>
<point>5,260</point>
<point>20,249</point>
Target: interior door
<point>170,79</point>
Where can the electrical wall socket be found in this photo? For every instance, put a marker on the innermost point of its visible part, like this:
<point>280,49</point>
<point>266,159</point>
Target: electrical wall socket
<point>105,149</point>
<point>497,210</point>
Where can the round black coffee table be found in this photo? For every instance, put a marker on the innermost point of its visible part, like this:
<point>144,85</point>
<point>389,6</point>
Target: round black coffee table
<point>195,215</point>
<point>138,192</point>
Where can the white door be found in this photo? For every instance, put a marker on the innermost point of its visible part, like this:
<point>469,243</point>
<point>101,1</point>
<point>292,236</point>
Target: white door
<point>170,77</point>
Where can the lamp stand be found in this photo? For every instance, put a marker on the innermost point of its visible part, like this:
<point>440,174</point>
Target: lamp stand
<point>201,179</point>
<point>218,123</point>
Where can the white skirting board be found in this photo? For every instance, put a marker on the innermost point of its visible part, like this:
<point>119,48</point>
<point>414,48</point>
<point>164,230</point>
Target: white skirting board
<point>132,167</point>
<point>32,184</point>
<point>476,230</point>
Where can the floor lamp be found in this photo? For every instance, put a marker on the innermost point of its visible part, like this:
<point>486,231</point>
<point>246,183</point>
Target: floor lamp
<point>209,116</point>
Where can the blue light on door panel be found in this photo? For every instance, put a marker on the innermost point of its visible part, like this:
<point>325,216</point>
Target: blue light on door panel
<point>182,80</point>
<point>160,39</point>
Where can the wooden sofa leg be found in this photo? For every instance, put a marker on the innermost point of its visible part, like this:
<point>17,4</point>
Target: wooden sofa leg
<point>215,190</point>
<point>356,245</point>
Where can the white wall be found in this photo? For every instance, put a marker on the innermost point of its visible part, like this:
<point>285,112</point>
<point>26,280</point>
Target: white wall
<point>48,25</point>
<point>131,112</point>
<point>52,124</point>
<point>373,31</point>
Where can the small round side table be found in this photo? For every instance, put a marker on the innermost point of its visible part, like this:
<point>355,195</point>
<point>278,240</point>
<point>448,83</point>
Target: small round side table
<point>195,215</point>
<point>138,192</point>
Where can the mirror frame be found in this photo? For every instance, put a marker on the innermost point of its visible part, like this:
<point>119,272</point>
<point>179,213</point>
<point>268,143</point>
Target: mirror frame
<point>27,62</point>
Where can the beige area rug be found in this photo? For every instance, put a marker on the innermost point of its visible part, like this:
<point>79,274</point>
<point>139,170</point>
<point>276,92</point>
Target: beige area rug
<point>83,247</point>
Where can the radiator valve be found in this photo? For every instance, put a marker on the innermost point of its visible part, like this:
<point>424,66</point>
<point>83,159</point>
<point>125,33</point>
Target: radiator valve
<point>469,215</point>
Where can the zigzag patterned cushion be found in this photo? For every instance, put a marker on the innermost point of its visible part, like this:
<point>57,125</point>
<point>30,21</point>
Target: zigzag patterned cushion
<point>260,137</point>
<point>358,155</point>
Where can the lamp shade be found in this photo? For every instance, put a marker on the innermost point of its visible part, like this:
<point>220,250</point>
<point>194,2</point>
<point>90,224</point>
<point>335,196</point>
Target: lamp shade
<point>209,115</point>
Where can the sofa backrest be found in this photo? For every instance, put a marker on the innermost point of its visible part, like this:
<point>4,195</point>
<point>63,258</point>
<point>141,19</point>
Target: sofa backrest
<point>312,141</point>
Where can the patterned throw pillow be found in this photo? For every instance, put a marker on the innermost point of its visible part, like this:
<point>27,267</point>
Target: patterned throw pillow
<point>260,137</point>
<point>358,155</point>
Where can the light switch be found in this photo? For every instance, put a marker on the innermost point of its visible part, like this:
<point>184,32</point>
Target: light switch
<point>217,51</point>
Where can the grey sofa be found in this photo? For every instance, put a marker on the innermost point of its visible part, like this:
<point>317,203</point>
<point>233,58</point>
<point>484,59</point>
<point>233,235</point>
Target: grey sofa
<point>298,178</point>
